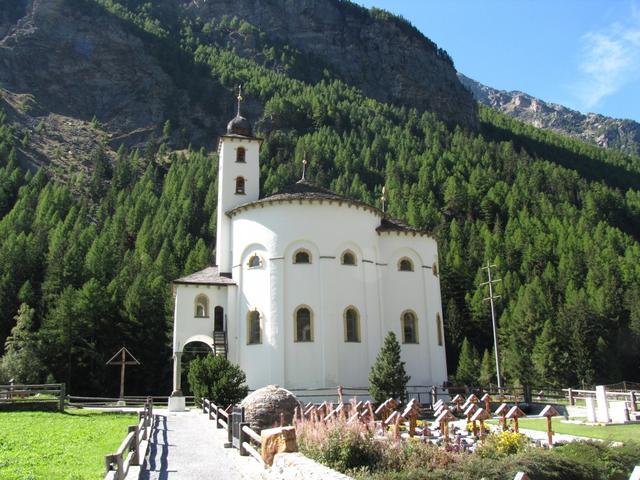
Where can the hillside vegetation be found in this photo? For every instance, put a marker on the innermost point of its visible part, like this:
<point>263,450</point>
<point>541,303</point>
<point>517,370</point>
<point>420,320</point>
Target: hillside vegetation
<point>85,267</point>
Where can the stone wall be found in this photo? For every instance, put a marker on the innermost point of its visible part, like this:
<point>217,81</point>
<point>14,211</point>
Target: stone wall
<point>295,466</point>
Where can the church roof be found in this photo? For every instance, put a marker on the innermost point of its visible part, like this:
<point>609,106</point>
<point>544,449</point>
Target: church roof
<point>208,276</point>
<point>306,190</point>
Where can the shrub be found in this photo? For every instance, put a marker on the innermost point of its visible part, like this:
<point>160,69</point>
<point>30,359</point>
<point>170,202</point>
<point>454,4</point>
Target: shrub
<point>503,443</point>
<point>339,445</point>
<point>218,379</point>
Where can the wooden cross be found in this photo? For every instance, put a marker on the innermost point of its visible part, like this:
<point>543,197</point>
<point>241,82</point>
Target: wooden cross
<point>502,411</point>
<point>443,420</point>
<point>549,412</point>
<point>514,414</point>
<point>411,413</point>
<point>385,409</point>
<point>122,362</point>
<point>480,416</point>
<point>486,398</point>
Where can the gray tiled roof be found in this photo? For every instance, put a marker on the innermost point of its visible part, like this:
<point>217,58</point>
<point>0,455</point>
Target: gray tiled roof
<point>208,276</point>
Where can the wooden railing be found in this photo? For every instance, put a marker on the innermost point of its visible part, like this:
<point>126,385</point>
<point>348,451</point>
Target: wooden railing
<point>52,392</point>
<point>129,452</point>
<point>246,448</point>
<point>220,415</point>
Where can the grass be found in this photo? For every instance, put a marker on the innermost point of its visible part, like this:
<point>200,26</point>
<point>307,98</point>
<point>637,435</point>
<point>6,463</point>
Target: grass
<point>616,433</point>
<point>60,446</point>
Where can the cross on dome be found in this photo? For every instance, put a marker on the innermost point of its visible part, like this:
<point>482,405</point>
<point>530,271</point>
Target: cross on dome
<point>239,125</point>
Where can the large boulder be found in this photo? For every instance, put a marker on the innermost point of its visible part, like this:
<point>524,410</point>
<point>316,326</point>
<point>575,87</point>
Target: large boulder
<point>262,408</point>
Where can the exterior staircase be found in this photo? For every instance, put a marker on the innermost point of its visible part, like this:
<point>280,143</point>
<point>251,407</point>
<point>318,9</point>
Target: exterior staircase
<point>220,343</point>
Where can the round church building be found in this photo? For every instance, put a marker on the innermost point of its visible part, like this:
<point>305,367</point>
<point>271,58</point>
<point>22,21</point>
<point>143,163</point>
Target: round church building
<point>308,283</point>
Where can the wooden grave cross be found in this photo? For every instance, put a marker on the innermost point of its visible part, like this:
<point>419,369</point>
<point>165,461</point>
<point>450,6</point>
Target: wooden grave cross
<point>486,398</point>
<point>514,414</point>
<point>458,399</point>
<point>480,416</point>
<point>123,362</point>
<point>385,409</point>
<point>411,413</point>
<point>502,411</point>
<point>443,420</point>
<point>549,412</point>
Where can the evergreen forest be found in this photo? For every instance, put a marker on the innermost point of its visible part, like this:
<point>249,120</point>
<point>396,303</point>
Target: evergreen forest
<point>86,268</point>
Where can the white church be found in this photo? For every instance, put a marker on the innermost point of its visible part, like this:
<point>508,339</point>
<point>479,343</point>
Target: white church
<point>307,284</point>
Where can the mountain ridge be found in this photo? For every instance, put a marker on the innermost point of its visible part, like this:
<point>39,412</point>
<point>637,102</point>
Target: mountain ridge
<point>607,132</point>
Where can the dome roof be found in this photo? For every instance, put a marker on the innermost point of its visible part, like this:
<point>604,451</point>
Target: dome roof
<point>239,126</point>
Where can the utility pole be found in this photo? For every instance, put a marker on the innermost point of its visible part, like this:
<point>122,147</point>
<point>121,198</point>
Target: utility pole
<point>491,298</point>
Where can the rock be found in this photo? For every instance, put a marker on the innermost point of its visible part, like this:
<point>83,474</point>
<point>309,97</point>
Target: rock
<point>277,440</point>
<point>263,407</point>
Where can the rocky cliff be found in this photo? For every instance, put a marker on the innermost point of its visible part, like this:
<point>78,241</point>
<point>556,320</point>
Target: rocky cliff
<point>73,75</point>
<point>589,127</point>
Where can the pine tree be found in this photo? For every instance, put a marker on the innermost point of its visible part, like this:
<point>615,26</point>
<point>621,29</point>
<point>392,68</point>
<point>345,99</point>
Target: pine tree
<point>21,360</point>
<point>388,378</point>
<point>487,369</point>
<point>468,365</point>
<point>546,356</point>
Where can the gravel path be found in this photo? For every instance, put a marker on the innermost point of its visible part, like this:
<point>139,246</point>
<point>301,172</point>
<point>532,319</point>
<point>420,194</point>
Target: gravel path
<point>187,446</point>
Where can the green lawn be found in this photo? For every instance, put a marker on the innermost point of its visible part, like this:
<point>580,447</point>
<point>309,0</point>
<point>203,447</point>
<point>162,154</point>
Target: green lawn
<point>59,446</point>
<point>618,433</point>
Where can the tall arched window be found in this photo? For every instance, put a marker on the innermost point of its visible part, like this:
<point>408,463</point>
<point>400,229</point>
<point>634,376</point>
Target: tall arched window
<point>201,306</point>
<point>409,328</point>
<point>439,329</point>
<point>302,256</point>
<point>254,331</point>
<point>303,325</point>
<point>405,265</point>
<point>351,325</point>
<point>218,319</point>
<point>240,186</point>
<point>348,258</point>
<point>240,155</point>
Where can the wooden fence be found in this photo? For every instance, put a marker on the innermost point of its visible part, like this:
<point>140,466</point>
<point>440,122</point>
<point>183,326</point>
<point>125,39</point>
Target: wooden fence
<point>48,393</point>
<point>129,452</point>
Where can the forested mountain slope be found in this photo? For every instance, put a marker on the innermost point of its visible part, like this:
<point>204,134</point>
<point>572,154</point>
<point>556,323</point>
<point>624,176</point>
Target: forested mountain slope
<point>85,265</point>
<point>591,127</point>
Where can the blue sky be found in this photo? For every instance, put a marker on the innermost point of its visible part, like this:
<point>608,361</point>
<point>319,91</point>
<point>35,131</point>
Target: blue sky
<point>584,54</point>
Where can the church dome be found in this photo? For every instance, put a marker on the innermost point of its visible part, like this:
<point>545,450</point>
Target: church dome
<point>239,126</point>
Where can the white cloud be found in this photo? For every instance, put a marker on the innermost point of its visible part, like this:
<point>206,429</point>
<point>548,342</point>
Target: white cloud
<point>610,59</point>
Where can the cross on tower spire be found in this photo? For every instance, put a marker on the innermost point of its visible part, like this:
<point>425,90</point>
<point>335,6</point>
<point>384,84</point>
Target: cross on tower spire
<point>239,98</point>
<point>304,167</point>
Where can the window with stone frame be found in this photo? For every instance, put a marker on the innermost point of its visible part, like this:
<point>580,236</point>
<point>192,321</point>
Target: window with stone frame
<point>254,329</point>
<point>351,325</point>
<point>241,154</point>
<point>240,186</point>
<point>201,306</point>
<point>348,258</point>
<point>405,265</point>
<point>409,327</point>
<point>302,256</point>
<point>254,261</point>
<point>303,325</point>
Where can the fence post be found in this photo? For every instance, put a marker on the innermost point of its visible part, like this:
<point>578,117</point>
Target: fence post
<point>134,448</point>
<point>243,438</point>
<point>572,401</point>
<point>632,399</point>
<point>62,395</point>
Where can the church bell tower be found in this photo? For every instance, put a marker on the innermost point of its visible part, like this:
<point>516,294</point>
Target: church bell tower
<point>238,180</point>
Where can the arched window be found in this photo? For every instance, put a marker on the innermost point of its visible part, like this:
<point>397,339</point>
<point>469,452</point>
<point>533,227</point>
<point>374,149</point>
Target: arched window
<point>405,265</point>
<point>254,261</point>
<point>348,258</point>
<point>218,319</point>
<point>254,332</point>
<point>351,325</point>
<point>302,256</point>
<point>240,186</point>
<point>303,325</point>
<point>409,328</point>
<point>439,328</point>
<point>240,155</point>
<point>201,306</point>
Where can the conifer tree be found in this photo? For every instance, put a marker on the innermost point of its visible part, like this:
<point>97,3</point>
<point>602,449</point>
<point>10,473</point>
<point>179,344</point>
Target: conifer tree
<point>487,369</point>
<point>388,378</point>
<point>467,372</point>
